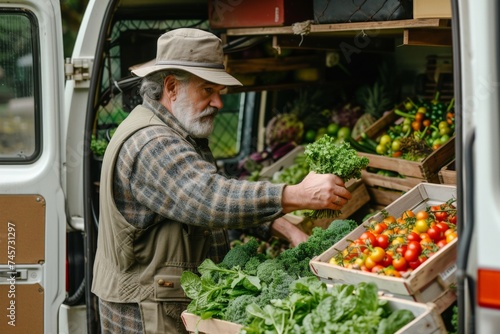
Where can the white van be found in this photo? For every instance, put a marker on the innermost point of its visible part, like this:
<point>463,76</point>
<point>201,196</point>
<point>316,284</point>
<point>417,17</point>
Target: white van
<point>52,108</point>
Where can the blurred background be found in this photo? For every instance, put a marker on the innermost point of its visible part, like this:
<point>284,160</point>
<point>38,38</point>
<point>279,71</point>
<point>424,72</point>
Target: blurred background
<point>72,13</point>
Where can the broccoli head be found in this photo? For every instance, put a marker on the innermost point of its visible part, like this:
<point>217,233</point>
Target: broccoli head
<point>240,254</point>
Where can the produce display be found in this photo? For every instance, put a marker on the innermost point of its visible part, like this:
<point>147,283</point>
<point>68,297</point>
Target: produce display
<point>397,245</point>
<point>424,126</point>
<point>244,277</point>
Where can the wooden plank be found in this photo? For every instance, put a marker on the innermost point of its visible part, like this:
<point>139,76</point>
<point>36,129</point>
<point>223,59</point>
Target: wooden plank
<point>339,27</point>
<point>383,196</point>
<point>427,37</point>
<point>390,182</point>
<point>272,64</point>
<point>448,174</point>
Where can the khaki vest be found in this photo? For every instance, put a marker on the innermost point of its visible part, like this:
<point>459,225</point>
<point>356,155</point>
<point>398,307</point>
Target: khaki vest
<point>144,266</point>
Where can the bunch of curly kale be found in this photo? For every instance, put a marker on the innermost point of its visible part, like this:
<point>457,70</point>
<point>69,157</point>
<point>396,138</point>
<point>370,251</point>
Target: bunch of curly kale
<point>324,156</point>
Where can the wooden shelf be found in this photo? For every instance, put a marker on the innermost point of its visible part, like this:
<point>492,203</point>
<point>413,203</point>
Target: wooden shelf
<point>382,27</point>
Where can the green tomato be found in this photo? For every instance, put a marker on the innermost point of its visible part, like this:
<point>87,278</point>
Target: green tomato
<point>443,125</point>
<point>444,131</point>
<point>396,145</point>
<point>381,149</point>
<point>344,132</point>
<point>444,138</point>
<point>385,140</point>
<point>332,129</point>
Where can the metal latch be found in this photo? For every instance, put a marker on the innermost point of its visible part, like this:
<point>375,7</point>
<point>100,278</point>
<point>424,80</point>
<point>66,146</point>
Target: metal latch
<point>78,69</point>
<point>14,274</point>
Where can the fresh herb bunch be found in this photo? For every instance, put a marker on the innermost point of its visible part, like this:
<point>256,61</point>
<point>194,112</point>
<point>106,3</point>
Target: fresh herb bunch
<point>324,156</point>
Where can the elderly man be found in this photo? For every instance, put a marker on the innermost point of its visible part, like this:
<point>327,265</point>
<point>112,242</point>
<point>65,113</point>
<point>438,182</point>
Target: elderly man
<point>164,207</point>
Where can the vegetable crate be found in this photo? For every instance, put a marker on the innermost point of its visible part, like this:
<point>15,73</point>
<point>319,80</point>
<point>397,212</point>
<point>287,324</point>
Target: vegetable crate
<point>433,281</point>
<point>427,320</point>
<point>427,169</point>
<point>360,197</point>
<point>448,174</point>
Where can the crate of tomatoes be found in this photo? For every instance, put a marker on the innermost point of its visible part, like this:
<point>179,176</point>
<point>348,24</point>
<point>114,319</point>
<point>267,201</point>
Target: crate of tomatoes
<point>408,249</point>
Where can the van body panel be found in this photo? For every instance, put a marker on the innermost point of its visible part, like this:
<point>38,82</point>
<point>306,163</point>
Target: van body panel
<point>35,184</point>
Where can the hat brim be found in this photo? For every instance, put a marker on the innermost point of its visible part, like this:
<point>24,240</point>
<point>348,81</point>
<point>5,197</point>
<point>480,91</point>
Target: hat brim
<point>217,76</point>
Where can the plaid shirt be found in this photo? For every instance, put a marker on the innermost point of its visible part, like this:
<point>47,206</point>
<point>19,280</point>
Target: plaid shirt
<point>163,172</point>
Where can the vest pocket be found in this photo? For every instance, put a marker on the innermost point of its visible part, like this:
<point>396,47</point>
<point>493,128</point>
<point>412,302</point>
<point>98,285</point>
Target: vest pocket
<point>168,288</point>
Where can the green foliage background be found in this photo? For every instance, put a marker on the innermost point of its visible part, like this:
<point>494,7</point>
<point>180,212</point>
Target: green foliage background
<point>72,13</point>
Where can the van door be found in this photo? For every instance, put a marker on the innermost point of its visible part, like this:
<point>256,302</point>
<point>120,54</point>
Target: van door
<point>32,210</point>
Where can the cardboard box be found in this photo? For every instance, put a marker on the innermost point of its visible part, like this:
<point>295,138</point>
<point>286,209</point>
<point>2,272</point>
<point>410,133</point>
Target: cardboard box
<point>427,320</point>
<point>257,13</point>
<point>432,9</point>
<point>345,11</point>
<point>433,281</point>
<point>427,169</point>
<point>448,174</point>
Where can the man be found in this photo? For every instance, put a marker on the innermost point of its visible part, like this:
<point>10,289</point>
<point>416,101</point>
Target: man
<point>164,208</point>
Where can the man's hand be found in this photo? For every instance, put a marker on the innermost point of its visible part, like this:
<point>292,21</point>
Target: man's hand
<point>286,230</point>
<point>316,192</point>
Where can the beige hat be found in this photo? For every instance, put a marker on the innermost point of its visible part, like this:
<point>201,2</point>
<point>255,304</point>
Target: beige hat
<point>196,51</point>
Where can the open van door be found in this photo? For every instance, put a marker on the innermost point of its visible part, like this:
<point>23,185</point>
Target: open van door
<point>32,210</point>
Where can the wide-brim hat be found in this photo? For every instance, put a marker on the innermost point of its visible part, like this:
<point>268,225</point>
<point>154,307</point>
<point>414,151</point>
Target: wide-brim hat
<point>193,50</point>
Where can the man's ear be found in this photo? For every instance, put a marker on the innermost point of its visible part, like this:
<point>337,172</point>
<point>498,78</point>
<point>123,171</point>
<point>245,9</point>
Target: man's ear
<point>170,86</point>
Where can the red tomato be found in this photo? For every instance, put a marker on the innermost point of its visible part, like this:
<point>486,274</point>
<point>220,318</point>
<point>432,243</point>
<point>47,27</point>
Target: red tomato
<point>387,260</point>
<point>379,228</point>
<point>415,246</point>
<point>442,226</point>
<point>383,240</point>
<point>414,264</point>
<point>412,236</point>
<point>399,263</point>
<point>360,244</point>
<point>411,255</point>
<point>435,233</point>
<point>441,215</point>
<point>452,219</point>
<point>368,238</point>
<point>441,243</point>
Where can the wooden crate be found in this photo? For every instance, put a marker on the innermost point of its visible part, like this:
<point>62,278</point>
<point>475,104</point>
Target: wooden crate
<point>427,320</point>
<point>433,281</point>
<point>384,190</point>
<point>426,169</point>
<point>383,196</point>
<point>448,174</point>
<point>360,197</point>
